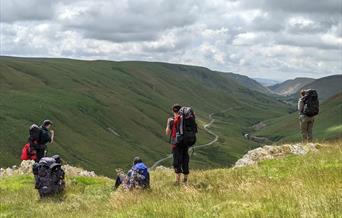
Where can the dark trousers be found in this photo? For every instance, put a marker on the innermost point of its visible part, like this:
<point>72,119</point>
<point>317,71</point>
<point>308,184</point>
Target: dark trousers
<point>40,154</point>
<point>181,159</point>
<point>40,151</point>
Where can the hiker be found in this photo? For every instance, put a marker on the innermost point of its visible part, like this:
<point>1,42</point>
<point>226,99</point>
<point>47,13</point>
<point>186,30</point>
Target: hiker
<point>40,137</point>
<point>137,177</point>
<point>308,108</point>
<point>182,129</point>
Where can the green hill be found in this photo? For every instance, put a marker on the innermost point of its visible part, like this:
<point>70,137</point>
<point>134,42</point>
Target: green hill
<point>107,112</point>
<point>291,86</point>
<point>248,82</point>
<point>294,186</point>
<point>328,124</point>
<point>326,87</point>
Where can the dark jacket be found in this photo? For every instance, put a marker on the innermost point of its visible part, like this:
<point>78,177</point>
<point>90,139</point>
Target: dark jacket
<point>45,136</point>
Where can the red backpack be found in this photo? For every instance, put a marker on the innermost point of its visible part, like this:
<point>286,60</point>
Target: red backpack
<point>27,153</point>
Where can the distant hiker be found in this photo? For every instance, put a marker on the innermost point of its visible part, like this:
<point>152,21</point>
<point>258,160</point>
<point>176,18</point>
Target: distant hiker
<point>182,129</point>
<point>138,177</point>
<point>39,138</point>
<point>308,107</point>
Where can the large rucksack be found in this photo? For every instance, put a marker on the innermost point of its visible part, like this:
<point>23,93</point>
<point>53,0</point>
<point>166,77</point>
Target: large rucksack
<point>311,103</point>
<point>187,129</point>
<point>49,176</point>
<point>35,133</point>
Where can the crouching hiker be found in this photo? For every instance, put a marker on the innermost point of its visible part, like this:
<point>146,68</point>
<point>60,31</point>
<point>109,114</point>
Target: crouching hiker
<point>138,177</point>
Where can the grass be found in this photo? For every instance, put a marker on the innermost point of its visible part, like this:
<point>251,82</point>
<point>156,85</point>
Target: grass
<point>294,186</point>
<point>88,99</point>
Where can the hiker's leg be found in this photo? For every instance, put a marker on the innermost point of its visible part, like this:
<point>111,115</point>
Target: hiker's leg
<point>303,128</point>
<point>185,164</point>
<point>310,127</point>
<point>40,154</point>
<point>177,160</point>
<point>117,182</point>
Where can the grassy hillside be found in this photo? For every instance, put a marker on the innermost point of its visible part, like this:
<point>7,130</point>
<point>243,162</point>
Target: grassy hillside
<point>328,124</point>
<point>291,86</point>
<point>294,186</point>
<point>106,112</point>
<point>248,82</point>
<point>326,87</point>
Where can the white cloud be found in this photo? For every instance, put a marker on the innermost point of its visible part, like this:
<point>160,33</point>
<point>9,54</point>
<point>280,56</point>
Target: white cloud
<point>275,39</point>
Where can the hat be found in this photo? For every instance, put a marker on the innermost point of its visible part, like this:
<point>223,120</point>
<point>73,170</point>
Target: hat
<point>47,122</point>
<point>137,160</point>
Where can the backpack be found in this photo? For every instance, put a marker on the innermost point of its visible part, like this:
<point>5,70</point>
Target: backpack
<point>28,153</point>
<point>139,177</point>
<point>187,130</point>
<point>35,133</point>
<point>311,103</point>
<point>49,176</point>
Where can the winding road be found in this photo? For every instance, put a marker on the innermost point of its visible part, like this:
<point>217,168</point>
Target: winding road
<point>206,128</point>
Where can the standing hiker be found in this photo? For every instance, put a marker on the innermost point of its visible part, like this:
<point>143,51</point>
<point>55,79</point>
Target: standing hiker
<point>182,129</point>
<point>308,108</point>
<point>40,137</point>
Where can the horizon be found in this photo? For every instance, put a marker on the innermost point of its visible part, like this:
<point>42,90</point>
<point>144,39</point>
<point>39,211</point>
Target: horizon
<point>277,81</point>
<point>266,39</point>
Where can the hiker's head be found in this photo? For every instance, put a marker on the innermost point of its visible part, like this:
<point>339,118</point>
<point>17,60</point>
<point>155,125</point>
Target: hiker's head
<point>137,160</point>
<point>176,108</point>
<point>47,124</point>
<point>302,92</point>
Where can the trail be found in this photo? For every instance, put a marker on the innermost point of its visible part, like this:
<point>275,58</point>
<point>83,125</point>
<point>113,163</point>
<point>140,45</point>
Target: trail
<point>206,128</point>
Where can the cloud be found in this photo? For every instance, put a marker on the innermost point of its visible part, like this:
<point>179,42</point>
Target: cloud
<point>271,39</point>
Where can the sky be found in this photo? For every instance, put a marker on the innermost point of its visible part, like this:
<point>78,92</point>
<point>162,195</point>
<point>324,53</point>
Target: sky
<point>273,39</point>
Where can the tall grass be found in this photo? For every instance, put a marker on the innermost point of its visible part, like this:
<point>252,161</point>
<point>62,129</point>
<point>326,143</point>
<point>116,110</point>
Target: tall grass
<point>308,186</point>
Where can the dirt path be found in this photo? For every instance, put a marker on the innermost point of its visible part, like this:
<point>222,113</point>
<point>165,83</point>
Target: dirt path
<point>206,128</point>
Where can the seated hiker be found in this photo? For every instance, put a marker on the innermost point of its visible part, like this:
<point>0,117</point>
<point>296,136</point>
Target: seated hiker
<point>137,177</point>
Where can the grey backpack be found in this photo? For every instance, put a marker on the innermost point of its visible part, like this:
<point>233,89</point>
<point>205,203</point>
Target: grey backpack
<point>49,176</point>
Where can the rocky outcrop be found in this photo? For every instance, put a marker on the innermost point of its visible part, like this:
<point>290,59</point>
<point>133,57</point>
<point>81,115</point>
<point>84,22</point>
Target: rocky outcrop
<point>26,168</point>
<point>271,152</point>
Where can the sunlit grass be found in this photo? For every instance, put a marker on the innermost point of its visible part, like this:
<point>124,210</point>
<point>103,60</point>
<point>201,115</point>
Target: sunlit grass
<point>295,186</point>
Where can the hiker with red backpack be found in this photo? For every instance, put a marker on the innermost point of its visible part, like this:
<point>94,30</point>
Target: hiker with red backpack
<point>39,137</point>
<point>182,129</point>
<point>308,107</point>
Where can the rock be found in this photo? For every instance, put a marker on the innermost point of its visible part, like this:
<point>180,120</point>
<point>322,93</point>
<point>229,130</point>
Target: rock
<point>268,152</point>
<point>26,168</point>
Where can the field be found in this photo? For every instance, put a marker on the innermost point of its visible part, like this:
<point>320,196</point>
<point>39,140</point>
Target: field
<point>294,186</point>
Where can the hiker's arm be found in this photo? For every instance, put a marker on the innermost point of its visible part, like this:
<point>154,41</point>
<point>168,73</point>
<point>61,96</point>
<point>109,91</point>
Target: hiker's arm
<point>168,129</point>
<point>300,105</point>
<point>52,136</point>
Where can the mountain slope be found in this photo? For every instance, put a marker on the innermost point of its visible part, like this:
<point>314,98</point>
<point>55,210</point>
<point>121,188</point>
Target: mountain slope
<point>326,87</point>
<point>290,87</point>
<point>293,186</point>
<point>248,82</point>
<point>105,113</point>
<point>328,124</point>
<point>266,82</point>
